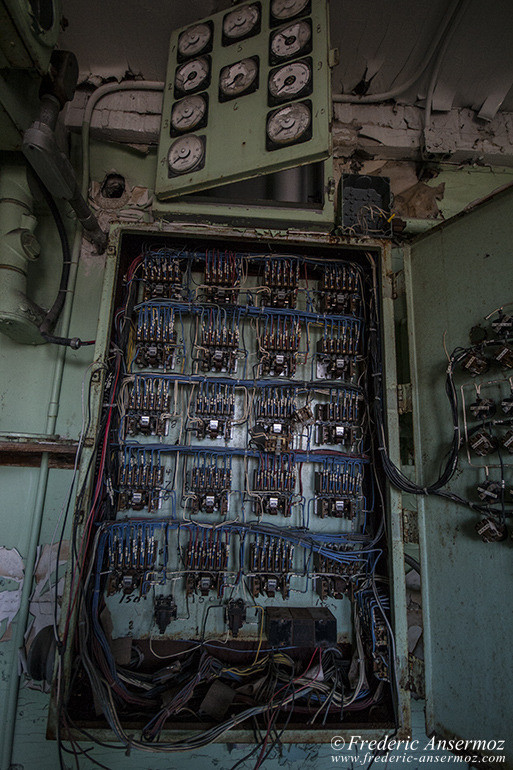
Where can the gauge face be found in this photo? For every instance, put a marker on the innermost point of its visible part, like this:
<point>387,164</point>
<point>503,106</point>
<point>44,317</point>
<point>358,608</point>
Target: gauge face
<point>195,40</point>
<point>241,23</point>
<point>291,41</point>
<point>239,78</point>
<point>288,9</point>
<point>188,113</point>
<point>192,75</point>
<point>289,125</point>
<point>290,81</point>
<point>186,154</point>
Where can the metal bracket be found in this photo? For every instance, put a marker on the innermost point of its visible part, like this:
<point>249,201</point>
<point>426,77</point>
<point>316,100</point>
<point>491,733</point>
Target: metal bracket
<point>404,398</point>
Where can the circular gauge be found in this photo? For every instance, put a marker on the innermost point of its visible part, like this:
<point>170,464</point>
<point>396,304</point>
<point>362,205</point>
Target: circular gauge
<point>290,124</point>
<point>192,75</point>
<point>238,78</point>
<point>188,113</point>
<point>186,154</point>
<point>291,40</point>
<point>290,80</point>
<point>194,40</point>
<point>241,22</point>
<point>287,9</point>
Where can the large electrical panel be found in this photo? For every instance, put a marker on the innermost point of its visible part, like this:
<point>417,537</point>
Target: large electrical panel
<point>234,524</point>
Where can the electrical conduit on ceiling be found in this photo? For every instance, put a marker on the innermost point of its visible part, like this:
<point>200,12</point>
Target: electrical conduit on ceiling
<point>20,622</point>
<point>444,31</point>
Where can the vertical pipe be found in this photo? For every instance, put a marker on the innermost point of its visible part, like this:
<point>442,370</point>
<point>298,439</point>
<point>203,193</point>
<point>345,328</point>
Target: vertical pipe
<point>20,622</point>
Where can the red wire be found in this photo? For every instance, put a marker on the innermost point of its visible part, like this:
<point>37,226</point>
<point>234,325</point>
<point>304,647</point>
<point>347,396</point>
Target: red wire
<point>91,517</point>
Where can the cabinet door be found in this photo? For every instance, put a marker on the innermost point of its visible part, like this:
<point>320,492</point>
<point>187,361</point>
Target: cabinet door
<point>456,275</point>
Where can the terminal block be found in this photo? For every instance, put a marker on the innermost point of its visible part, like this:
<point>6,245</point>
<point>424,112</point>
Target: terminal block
<point>475,363</point>
<point>279,345</point>
<point>209,485</point>
<point>504,356</point>
<point>156,338</point>
<point>274,483</point>
<point>482,408</point>
<point>148,406</point>
<point>334,578</point>
<point>339,290</point>
<point>222,277</point>
<point>490,491</point>
<point>337,350</point>
<point>270,564</point>
<point>219,341</point>
<point>281,277</point>
<point>482,443</point>
<point>275,419</point>
<point>141,476</point>
<point>338,489</point>
<point>132,558</point>
<point>214,410</point>
<point>344,407</point>
<point>162,274</point>
<point>205,560</point>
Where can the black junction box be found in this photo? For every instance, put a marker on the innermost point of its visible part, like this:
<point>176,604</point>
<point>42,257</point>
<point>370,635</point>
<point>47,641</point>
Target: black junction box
<point>300,626</point>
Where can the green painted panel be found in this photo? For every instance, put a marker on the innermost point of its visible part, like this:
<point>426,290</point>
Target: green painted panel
<point>456,275</point>
<point>235,133</point>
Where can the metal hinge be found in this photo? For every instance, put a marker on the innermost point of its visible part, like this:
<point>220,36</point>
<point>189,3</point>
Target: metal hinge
<point>333,57</point>
<point>410,526</point>
<point>404,398</point>
<point>398,284</point>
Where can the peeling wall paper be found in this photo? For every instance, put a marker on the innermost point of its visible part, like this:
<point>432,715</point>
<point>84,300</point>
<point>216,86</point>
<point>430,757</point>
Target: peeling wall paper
<point>11,571</point>
<point>42,601</point>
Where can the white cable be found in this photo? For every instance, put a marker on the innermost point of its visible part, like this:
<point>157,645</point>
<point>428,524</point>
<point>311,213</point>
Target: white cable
<point>383,97</point>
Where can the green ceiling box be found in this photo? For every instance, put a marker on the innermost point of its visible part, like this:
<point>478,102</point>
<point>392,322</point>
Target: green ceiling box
<point>247,93</point>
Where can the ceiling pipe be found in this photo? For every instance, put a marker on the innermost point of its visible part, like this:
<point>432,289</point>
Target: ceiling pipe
<point>458,15</point>
<point>393,92</point>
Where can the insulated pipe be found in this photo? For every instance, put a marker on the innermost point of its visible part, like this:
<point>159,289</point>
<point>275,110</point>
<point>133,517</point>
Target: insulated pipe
<point>383,97</point>
<point>20,622</point>
<point>19,316</point>
<point>109,88</point>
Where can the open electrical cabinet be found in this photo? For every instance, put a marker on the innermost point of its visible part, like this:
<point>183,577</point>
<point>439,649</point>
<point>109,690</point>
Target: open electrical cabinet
<point>238,554</point>
<point>233,510</point>
<point>459,570</point>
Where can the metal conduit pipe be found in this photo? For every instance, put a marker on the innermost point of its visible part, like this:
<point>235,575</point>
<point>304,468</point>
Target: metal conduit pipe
<point>20,622</point>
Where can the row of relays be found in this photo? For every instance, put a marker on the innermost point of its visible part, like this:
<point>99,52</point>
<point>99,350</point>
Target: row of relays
<point>242,392</point>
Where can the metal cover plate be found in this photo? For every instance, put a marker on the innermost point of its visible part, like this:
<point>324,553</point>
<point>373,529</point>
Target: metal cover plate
<point>234,136</point>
